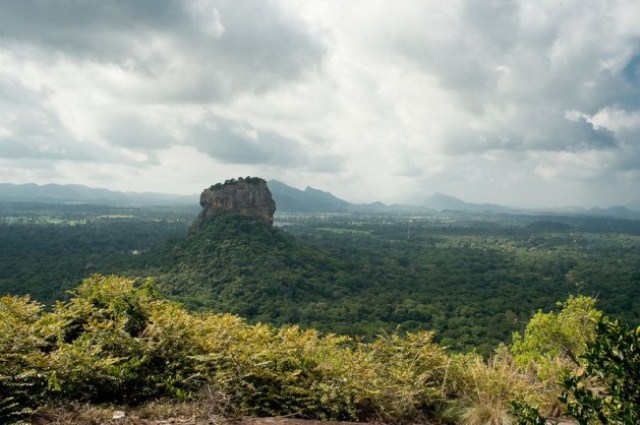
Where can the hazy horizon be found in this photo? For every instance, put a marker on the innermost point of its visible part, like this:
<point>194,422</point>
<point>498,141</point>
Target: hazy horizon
<point>523,103</point>
<point>409,202</point>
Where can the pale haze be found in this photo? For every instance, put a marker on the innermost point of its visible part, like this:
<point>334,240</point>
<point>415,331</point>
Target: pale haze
<point>523,103</point>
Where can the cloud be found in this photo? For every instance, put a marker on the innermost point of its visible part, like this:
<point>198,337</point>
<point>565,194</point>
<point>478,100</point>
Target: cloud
<point>30,130</point>
<point>525,54</point>
<point>118,81</point>
<point>500,101</point>
<point>525,78</point>
<point>136,131</point>
<point>539,131</point>
<point>239,143</point>
<point>191,51</point>
<point>236,142</point>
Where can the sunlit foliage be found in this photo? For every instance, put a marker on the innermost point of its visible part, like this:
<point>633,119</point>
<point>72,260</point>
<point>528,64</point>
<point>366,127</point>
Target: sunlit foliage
<point>116,340</point>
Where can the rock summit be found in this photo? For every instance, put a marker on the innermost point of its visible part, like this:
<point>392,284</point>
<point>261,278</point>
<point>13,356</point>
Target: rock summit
<point>247,196</point>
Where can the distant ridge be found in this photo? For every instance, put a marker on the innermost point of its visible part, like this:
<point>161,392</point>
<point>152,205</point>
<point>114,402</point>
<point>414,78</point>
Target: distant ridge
<point>313,200</point>
<point>615,211</point>
<point>442,202</point>
<point>80,194</point>
<point>635,206</point>
<point>290,199</point>
<point>309,200</point>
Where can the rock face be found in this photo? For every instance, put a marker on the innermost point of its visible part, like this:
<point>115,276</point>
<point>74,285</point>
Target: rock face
<point>248,196</point>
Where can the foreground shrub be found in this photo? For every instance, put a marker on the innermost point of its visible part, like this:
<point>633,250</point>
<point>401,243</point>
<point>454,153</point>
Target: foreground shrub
<point>21,361</point>
<point>609,389</point>
<point>116,340</point>
<point>265,370</point>
<point>606,390</point>
<point>407,377</point>
<point>551,347</point>
<point>553,342</point>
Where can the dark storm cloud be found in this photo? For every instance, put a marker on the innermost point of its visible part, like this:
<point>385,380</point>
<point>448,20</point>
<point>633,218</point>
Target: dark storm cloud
<point>146,52</point>
<point>529,78</point>
<point>184,51</point>
<point>632,70</point>
<point>629,160</point>
<point>93,30</point>
<point>234,142</point>
<point>628,90</point>
<point>535,133</point>
<point>239,143</point>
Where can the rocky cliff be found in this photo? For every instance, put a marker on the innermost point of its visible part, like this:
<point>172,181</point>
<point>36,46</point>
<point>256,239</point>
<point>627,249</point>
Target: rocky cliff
<point>245,196</point>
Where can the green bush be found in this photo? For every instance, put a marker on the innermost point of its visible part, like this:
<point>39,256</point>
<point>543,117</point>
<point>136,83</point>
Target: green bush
<point>265,370</point>
<point>21,361</point>
<point>605,390</point>
<point>552,342</point>
<point>551,346</point>
<point>116,340</point>
<point>609,389</point>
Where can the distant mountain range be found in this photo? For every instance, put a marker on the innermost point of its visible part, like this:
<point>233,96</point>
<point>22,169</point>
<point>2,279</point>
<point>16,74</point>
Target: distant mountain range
<point>309,200</point>
<point>79,194</point>
<point>313,200</point>
<point>288,199</point>
<point>442,202</point>
<point>634,205</point>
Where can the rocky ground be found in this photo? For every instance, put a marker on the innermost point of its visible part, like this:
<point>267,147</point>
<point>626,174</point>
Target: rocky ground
<point>170,414</point>
<point>156,413</point>
<point>134,420</point>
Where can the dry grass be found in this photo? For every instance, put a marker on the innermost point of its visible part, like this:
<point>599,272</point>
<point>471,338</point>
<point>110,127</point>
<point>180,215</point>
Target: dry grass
<point>494,413</point>
<point>485,389</point>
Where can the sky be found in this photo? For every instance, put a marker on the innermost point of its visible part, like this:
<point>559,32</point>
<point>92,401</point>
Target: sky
<point>518,102</point>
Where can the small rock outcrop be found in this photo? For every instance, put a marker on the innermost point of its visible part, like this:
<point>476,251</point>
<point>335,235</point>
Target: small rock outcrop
<point>248,196</point>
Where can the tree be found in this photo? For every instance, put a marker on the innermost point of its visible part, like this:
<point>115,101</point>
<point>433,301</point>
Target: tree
<point>553,342</point>
<point>607,390</point>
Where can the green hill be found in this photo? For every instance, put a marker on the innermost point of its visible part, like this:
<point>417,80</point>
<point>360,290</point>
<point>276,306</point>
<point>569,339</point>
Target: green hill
<point>239,265</point>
